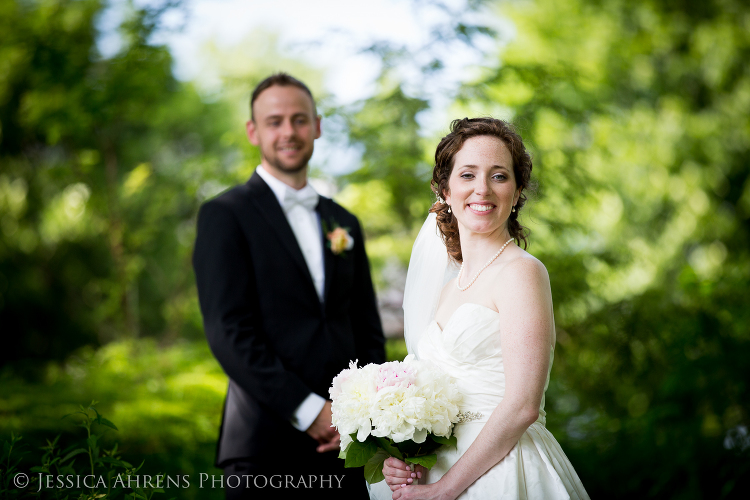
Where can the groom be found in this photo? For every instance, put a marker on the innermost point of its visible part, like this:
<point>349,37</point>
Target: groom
<point>286,305</point>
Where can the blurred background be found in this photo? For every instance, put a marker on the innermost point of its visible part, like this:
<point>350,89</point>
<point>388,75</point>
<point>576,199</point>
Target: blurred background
<point>119,118</point>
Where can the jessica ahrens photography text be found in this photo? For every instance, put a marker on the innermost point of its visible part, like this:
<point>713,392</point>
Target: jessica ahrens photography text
<point>183,481</point>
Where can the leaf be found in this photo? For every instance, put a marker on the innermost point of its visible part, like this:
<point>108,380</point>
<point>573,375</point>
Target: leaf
<point>445,441</point>
<point>106,422</point>
<point>374,467</point>
<point>72,454</point>
<point>98,417</point>
<point>342,453</point>
<point>410,448</point>
<point>66,470</point>
<point>426,461</point>
<point>357,454</point>
<point>388,446</point>
<point>115,461</point>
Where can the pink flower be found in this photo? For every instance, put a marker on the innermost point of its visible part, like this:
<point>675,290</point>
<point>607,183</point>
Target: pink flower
<point>395,374</point>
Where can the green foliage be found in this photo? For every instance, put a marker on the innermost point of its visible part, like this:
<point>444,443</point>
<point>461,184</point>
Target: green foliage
<point>374,467</point>
<point>112,475</point>
<point>387,129</point>
<point>373,451</point>
<point>178,389</point>
<point>426,461</point>
<point>166,403</point>
<point>359,452</point>
<point>9,461</point>
<point>387,445</point>
<point>104,162</point>
<point>395,349</point>
<point>450,441</point>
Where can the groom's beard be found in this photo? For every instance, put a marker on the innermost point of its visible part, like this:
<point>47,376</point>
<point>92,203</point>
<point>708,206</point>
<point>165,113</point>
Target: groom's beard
<point>290,169</point>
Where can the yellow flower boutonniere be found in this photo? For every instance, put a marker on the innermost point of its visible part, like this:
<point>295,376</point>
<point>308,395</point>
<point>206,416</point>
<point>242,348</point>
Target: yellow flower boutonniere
<point>339,240</point>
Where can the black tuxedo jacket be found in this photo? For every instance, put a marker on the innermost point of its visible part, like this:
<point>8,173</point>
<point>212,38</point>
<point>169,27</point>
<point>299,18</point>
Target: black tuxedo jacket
<point>265,322</point>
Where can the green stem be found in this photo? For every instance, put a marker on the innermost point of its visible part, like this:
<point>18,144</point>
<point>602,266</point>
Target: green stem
<point>10,452</point>
<point>91,454</point>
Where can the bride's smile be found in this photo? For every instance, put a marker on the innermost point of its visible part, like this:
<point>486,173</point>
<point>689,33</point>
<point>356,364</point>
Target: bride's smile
<point>482,187</point>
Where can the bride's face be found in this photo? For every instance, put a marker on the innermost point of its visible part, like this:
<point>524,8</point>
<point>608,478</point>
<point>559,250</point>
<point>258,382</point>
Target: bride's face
<point>482,185</point>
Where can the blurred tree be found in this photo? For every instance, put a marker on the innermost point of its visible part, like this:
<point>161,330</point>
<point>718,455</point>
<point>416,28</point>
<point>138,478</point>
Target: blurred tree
<point>386,127</point>
<point>104,161</point>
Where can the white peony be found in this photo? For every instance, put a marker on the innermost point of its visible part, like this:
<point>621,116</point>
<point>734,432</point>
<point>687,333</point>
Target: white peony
<point>352,393</point>
<point>400,400</point>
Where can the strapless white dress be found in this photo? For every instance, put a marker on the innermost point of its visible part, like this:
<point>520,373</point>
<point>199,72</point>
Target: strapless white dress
<point>468,348</point>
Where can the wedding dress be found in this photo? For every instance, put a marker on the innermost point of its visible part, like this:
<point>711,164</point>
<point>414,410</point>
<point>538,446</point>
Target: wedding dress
<point>468,348</point>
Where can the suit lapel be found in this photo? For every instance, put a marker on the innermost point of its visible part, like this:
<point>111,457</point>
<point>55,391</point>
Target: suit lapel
<point>324,209</point>
<point>265,201</point>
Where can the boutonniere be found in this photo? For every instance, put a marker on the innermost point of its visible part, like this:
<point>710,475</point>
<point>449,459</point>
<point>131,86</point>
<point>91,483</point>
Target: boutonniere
<point>339,239</point>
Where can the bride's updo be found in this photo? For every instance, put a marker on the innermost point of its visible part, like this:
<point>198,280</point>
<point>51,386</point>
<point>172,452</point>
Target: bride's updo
<point>445,155</point>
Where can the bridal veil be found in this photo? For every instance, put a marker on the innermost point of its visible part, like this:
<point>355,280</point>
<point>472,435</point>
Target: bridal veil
<point>429,270</point>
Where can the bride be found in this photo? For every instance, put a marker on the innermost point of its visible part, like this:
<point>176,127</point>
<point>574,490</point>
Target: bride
<point>491,326</point>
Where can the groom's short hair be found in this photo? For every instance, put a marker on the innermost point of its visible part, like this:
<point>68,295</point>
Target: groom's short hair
<point>282,80</point>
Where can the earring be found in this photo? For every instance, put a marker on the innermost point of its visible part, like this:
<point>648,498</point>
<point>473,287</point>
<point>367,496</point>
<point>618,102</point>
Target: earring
<point>449,209</point>
<point>513,209</point>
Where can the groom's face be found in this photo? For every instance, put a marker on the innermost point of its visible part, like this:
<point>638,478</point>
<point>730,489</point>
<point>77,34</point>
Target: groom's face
<point>284,128</point>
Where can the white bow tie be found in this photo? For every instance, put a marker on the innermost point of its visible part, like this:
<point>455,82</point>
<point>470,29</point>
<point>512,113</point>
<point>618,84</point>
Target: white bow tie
<point>305,197</point>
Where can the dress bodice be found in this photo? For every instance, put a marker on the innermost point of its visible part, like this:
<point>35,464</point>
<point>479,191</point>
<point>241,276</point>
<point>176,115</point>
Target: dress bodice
<point>468,348</point>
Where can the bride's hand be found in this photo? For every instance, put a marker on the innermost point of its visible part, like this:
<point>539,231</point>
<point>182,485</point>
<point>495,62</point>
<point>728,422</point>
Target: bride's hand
<point>419,492</point>
<point>398,474</point>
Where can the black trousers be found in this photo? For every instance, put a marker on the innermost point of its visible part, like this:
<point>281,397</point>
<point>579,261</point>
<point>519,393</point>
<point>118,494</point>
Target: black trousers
<point>323,477</point>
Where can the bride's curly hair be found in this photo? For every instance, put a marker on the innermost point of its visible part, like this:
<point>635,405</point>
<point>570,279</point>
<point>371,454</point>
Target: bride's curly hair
<point>445,154</point>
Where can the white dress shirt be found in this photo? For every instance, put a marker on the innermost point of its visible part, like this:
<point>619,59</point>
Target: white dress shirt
<point>305,224</point>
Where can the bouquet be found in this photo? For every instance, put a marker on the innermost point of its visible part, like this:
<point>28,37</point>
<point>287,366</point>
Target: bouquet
<point>402,409</point>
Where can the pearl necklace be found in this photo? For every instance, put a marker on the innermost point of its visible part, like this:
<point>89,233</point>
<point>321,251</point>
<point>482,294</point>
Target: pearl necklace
<point>461,271</point>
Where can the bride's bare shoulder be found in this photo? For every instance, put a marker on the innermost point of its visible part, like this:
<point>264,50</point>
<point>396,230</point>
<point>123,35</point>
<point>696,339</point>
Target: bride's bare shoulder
<point>520,281</point>
<point>523,266</point>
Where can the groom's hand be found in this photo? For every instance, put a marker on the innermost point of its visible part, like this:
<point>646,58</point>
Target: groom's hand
<point>327,437</point>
